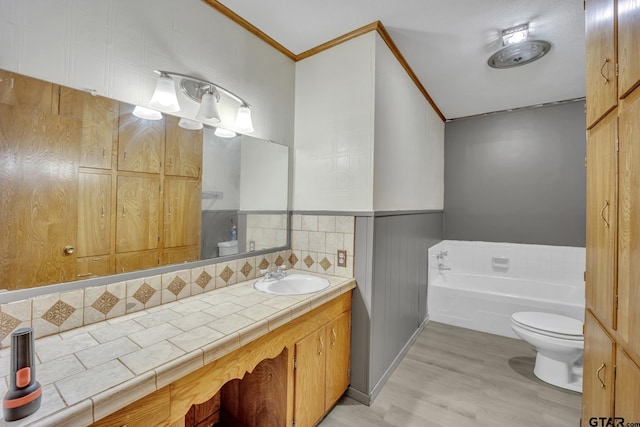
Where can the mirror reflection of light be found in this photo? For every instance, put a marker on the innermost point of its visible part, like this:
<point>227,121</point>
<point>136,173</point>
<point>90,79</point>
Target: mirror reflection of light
<point>224,133</point>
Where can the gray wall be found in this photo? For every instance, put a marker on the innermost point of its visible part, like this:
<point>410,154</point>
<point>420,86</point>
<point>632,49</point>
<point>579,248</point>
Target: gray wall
<point>390,301</point>
<point>216,227</point>
<point>517,177</point>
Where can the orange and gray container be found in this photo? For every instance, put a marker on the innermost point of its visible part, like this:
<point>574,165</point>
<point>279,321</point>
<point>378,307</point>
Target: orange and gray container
<point>25,393</point>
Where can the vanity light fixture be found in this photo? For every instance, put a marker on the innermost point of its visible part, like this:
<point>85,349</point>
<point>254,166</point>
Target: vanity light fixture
<point>190,124</point>
<point>146,113</point>
<point>164,97</point>
<point>224,133</point>
<point>204,92</point>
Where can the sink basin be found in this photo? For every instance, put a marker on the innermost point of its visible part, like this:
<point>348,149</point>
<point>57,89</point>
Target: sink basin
<point>293,284</point>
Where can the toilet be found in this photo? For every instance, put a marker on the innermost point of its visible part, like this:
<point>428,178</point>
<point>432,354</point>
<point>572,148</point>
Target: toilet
<point>559,342</point>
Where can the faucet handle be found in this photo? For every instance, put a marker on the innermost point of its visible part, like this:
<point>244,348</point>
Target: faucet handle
<point>265,271</point>
<point>281,267</point>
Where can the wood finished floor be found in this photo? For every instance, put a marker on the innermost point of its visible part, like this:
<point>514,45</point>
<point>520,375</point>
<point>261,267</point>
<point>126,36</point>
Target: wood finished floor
<point>455,377</point>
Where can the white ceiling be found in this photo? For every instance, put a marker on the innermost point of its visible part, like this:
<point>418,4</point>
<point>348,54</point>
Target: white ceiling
<point>447,43</point>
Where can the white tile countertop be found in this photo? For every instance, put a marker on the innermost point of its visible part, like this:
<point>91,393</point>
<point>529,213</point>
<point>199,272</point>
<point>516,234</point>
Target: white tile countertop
<point>92,371</point>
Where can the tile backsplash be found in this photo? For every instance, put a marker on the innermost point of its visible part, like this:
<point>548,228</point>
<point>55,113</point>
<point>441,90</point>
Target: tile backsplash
<point>316,239</point>
<point>58,312</point>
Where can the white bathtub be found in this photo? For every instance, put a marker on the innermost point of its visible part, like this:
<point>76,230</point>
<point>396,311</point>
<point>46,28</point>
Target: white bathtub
<point>488,282</point>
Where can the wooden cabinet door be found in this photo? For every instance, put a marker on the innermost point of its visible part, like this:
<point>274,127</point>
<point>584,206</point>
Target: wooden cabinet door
<point>26,92</point>
<point>38,197</point>
<point>310,379</point>
<point>93,267</point>
<point>140,142</point>
<point>629,222</point>
<point>137,213</point>
<point>183,153</point>
<point>338,355</point>
<point>134,261</point>
<point>179,255</point>
<point>99,118</point>
<point>602,93</point>
<point>601,219</point>
<point>94,214</point>
<point>628,37</point>
<point>627,381</point>
<point>182,208</point>
<point>597,380</point>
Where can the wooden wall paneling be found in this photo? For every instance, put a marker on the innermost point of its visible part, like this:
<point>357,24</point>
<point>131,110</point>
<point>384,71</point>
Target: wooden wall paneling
<point>309,380</point>
<point>26,92</point>
<point>259,398</point>
<point>94,214</point>
<point>137,213</point>
<point>601,219</point>
<point>337,362</point>
<point>597,381</point>
<point>140,142</point>
<point>628,37</point>
<point>183,152</point>
<point>99,117</point>
<point>627,381</point>
<point>629,222</point>
<point>601,59</point>
<point>38,195</point>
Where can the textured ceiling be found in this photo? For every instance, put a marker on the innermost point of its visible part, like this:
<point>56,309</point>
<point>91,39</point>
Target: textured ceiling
<point>447,43</point>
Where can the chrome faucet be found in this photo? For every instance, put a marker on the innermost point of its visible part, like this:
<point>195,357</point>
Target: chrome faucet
<point>274,274</point>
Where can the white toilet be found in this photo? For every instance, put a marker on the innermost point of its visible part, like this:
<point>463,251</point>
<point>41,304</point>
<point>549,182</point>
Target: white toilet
<point>559,342</point>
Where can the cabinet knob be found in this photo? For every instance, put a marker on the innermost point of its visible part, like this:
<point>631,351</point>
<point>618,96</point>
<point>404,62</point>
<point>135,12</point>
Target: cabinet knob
<point>68,250</point>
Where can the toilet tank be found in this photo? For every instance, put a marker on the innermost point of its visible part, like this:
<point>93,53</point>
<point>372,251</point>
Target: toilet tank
<point>228,248</point>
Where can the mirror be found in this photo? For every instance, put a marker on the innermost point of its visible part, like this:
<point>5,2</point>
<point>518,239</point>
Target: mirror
<point>90,190</point>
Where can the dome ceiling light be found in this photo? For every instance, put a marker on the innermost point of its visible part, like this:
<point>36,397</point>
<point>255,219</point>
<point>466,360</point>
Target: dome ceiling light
<point>518,50</point>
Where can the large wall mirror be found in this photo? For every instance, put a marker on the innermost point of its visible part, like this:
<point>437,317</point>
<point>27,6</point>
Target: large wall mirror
<point>87,189</point>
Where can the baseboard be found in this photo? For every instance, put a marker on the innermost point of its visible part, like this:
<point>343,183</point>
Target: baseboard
<point>367,399</point>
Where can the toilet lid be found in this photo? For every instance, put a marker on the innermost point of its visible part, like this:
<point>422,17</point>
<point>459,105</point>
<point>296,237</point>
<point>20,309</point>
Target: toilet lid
<point>549,322</point>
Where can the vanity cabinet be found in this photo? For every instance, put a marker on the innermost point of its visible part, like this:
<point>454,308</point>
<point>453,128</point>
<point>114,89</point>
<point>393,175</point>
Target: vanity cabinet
<point>612,319</point>
<point>152,411</point>
<point>321,370</point>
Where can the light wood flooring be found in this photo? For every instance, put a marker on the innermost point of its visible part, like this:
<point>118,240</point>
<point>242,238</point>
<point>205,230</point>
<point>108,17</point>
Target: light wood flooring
<point>455,377</point>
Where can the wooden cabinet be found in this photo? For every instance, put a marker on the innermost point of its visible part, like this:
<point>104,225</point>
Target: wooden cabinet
<point>612,328</point>
<point>94,214</point>
<point>140,142</point>
<point>601,58</point>
<point>99,118</point>
<point>139,260</point>
<point>183,153</point>
<point>178,255</point>
<point>94,267</point>
<point>322,370</point>
<point>152,410</point>
<point>26,92</point>
<point>601,218</point>
<point>597,380</point>
<point>181,212</point>
<point>137,213</point>
<point>628,36</point>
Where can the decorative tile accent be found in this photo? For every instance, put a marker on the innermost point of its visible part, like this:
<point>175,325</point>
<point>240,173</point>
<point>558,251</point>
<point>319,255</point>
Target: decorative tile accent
<point>246,269</point>
<point>279,261</point>
<point>105,303</point>
<point>144,293</point>
<point>58,313</point>
<point>325,264</point>
<point>264,264</point>
<point>204,279</point>
<point>7,324</point>
<point>226,274</point>
<point>176,285</point>
<point>293,259</point>
<point>308,261</point>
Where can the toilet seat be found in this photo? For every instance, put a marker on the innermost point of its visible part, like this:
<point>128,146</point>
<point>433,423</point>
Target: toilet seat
<point>551,325</point>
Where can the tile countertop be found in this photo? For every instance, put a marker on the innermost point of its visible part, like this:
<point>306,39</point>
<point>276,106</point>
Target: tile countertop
<point>97,369</point>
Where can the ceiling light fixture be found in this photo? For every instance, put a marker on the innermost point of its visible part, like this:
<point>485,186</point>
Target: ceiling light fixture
<point>224,133</point>
<point>515,34</point>
<point>204,92</point>
<point>146,113</point>
<point>518,50</point>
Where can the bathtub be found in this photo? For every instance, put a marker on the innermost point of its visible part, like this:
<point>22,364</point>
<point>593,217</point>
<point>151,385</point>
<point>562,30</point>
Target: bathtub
<point>479,285</point>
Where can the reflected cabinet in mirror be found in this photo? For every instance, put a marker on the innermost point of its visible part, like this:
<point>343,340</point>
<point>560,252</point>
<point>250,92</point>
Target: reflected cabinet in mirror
<point>88,189</point>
